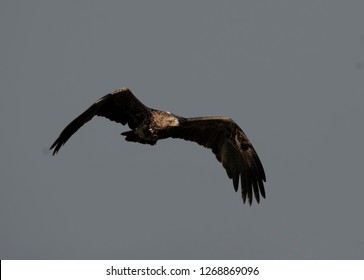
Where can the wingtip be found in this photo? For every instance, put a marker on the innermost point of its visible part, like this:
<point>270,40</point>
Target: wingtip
<point>54,151</point>
<point>55,146</point>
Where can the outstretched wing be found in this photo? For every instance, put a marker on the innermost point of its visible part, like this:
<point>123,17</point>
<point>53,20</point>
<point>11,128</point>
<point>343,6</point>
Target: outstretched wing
<point>120,106</point>
<point>231,147</point>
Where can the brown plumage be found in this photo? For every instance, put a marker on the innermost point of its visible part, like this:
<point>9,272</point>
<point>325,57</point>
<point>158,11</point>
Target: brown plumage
<point>220,134</point>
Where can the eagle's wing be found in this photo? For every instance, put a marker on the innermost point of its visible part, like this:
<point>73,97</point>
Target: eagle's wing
<point>231,147</point>
<point>120,106</point>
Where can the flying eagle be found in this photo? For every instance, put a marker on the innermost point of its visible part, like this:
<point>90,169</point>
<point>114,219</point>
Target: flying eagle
<point>220,134</point>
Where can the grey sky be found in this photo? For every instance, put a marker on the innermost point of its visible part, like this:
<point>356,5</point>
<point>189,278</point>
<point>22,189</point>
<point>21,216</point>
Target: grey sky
<point>290,73</point>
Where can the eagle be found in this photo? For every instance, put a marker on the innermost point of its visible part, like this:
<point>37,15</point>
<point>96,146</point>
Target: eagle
<point>220,134</point>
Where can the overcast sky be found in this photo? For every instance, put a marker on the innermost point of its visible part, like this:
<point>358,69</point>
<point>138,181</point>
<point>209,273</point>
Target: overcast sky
<point>290,73</point>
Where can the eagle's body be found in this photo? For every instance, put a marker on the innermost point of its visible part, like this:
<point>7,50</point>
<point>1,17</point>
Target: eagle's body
<point>153,128</point>
<point>221,134</point>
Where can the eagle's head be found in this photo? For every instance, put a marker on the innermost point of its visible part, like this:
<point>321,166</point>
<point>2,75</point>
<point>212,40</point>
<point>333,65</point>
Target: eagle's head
<point>171,121</point>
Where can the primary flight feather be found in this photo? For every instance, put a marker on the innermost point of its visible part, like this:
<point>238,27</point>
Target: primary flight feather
<point>220,134</point>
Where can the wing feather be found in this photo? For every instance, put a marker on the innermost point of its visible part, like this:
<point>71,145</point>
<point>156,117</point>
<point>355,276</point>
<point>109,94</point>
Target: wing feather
<point>119,106</point>
<point>231,147</point>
